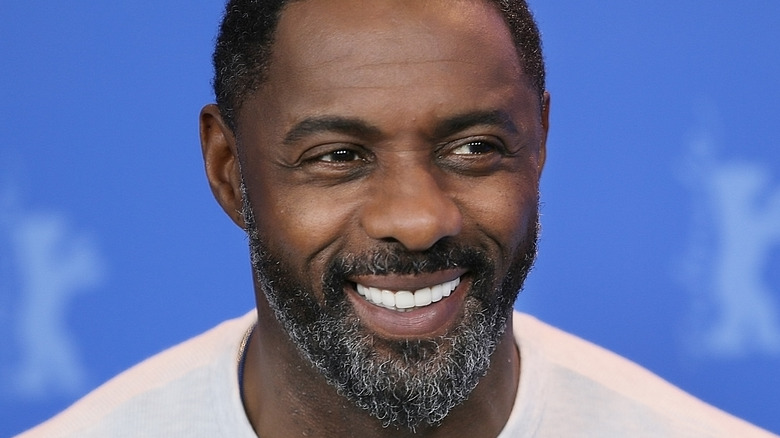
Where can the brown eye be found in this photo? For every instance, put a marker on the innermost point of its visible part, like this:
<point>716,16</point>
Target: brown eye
<point>474,148</point>
<point>340,156</point>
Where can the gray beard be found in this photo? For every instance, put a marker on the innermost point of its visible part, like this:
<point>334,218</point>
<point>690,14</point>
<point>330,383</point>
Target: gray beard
<point>402,383</point>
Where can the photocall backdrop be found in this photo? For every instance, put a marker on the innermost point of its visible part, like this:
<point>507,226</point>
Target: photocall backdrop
<point>661,194</point>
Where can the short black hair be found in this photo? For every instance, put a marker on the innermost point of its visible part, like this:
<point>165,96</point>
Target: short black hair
<point>246,36</point>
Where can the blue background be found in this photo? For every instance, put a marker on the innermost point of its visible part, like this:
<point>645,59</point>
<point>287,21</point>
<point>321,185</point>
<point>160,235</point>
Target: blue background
<point>99,152</point>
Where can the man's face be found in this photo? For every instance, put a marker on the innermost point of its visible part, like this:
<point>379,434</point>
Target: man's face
<point>391,162</point>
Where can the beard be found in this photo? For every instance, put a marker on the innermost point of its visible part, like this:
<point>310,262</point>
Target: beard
<point>402,383</point>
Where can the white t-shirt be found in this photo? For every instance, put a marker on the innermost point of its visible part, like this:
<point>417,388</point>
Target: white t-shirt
<point>568,388</point>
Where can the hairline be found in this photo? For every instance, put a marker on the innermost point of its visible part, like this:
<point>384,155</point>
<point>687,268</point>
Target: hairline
<point>261,65</point>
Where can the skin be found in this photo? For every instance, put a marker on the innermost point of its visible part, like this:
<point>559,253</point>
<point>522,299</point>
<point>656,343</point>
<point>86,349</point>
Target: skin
<point>398,70</point>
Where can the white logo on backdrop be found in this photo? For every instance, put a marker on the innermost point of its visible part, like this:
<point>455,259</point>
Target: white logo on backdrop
<point>736,228</point>
<point>52,264</point>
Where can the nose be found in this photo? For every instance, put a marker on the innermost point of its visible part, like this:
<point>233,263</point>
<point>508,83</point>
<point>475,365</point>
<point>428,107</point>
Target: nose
<point>411,208</point>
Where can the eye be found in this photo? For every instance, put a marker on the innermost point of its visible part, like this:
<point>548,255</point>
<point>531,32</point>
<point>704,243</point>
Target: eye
<point>340,156</point>
<point>474,148</point>
<point>475,155</point>
<point>333,163</point>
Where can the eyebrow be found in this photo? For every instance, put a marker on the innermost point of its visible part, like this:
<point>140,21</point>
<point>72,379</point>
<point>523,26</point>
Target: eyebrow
<point>461,122</point>
<point>343,125</point>
<point>360,128</point>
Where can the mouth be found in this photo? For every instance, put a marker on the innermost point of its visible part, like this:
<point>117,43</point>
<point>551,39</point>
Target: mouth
<point>410,306</point>
<point>407,300</point>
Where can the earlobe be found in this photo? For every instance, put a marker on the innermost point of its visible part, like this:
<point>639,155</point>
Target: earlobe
<point>220,157</point>
<point>545,130</point>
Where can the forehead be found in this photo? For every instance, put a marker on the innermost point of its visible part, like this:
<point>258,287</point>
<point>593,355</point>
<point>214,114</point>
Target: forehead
<point>379,31</point>
<point>352,54</point>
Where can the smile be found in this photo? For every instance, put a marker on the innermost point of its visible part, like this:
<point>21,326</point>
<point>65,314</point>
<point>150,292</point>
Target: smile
<point>404,300</point>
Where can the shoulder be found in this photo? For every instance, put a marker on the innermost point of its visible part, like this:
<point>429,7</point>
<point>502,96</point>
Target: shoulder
<point>193,384</point>
<point>576,387</point>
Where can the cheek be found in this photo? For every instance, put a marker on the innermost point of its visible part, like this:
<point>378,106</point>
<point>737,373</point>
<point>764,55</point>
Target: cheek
<point>302,223</point>
<point>503,209</point>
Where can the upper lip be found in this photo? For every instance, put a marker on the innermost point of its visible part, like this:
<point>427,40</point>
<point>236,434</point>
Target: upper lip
<point>411,282</point>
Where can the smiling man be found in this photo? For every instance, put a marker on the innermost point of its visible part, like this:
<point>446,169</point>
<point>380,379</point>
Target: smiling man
<point>384,158</point>
<point>387,169</point>
<point>385,162</point>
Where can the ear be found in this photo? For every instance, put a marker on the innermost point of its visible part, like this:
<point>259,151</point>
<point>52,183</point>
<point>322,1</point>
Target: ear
<point>545,130</point>
<point>220,156</point>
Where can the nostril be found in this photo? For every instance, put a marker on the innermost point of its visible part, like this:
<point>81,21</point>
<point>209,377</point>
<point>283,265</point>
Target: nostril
<point>414,224</point>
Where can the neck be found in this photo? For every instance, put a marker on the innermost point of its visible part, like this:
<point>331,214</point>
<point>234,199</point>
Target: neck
<point>286,396</point>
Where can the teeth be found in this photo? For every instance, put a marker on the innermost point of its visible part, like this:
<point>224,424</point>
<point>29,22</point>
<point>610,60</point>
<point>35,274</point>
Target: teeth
<point>406,300</point>
<point>436,294</point>
<point>388,298</point>
<point>376,295</point>
<point>422,297</point>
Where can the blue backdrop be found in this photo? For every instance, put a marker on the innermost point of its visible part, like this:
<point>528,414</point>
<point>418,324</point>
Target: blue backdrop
<point>661,196</point>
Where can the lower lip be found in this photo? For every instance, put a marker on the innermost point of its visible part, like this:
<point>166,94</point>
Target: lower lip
<point>426,322</point>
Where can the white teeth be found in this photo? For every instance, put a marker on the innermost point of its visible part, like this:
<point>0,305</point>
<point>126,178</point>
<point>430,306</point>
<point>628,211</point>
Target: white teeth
<point>422,297</point>
<point>388,298</point>
<point>449,287</point>
<point>404,300</point>
<point>436,294</point>
<point>407,300</point>
<point>376,295</point>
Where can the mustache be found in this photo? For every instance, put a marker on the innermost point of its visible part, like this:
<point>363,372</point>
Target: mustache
<point>395,259</point>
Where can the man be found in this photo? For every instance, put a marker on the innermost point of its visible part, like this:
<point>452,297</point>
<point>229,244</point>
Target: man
<point>384,158</point>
